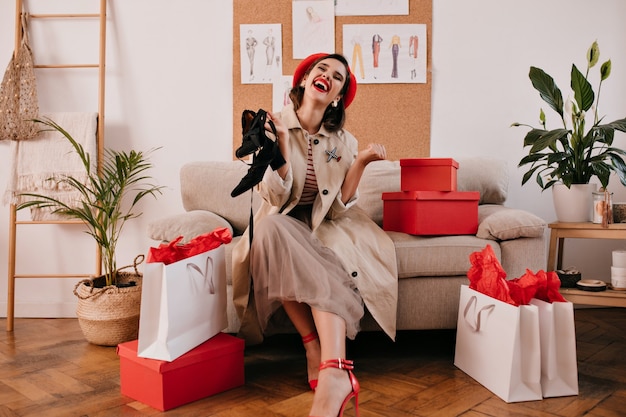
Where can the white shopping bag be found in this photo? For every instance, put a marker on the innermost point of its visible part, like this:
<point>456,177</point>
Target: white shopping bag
<point>183,304</point>
<point>559,368</point>
<point>497,344</point>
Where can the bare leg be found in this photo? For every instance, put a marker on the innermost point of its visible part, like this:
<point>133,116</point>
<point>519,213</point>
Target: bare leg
<point>302,319</point>
<point>334,384</point>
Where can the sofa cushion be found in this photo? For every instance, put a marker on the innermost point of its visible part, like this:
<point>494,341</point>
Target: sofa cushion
<point>206,185</point>
<point>188,225</point>
<point>378,177</point>
<point>420,256</point>
<point>488,176</point>
<point>502,223</point>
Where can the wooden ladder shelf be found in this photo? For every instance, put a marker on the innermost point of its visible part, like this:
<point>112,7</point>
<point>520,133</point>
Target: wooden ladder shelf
<point>101,16</point>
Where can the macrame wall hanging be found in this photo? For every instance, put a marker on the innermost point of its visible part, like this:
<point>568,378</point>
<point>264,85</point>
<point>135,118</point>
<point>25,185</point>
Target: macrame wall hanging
<point>19,103</point>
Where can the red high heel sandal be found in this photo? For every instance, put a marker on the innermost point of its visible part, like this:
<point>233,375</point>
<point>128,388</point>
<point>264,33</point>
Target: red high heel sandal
<point>307,339</point>
<point>348,365</point>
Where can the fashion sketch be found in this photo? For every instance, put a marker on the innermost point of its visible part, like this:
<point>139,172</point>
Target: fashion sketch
<point>313,24</point>
<point>398,52</point>
<point>260,53</point>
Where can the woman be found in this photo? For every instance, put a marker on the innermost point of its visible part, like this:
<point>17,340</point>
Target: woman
<point>315,255</point>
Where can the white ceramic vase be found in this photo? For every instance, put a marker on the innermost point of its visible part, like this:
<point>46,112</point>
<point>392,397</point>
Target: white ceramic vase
<point>574,204</point>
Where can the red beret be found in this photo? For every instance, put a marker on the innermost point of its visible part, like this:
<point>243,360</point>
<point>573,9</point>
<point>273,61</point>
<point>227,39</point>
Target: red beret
<point>306,63</point>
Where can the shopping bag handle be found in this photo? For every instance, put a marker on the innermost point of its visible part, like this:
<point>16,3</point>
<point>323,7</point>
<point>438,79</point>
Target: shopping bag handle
<point>202,280</point>
<point>475,325</point>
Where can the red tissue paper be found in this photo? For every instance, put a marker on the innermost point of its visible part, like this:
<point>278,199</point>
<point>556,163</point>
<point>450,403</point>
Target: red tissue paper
<point>171,252</point>
<point>487,276</point>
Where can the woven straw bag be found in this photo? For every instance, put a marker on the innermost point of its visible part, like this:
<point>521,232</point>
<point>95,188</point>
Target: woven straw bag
<point>109,316</point>
<point>19,103</point>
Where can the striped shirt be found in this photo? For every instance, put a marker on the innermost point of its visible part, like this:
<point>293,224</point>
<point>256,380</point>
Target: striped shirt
<point>310,183</point>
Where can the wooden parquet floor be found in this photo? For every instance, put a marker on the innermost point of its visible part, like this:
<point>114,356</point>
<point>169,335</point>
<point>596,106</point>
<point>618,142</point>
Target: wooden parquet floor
<point>48,369</point>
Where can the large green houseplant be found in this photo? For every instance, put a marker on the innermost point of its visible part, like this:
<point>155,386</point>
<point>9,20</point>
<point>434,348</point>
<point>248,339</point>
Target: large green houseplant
<point>571,154</point>
<point>107,199</point>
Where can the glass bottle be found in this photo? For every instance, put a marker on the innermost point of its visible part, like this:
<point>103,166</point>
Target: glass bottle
<point>602,207</point>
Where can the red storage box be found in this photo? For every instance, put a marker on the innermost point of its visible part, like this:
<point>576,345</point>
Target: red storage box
<point>431,212</point>
<point>212,367</point>
<point>428,174</point>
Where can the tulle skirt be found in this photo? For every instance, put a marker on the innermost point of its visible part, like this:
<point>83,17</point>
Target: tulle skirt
<point>288,263</point>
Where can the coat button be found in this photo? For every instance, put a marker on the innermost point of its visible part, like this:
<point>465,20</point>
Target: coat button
<point>316,142</point>
<point>354,274</point>
<point>325,192</point>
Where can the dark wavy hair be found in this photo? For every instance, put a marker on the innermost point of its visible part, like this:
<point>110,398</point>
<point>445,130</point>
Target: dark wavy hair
<point>334,117</point>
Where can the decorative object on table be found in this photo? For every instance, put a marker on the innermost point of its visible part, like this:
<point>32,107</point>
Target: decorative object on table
<point>603,208</point>
<point>619,212</point>
<point>593,285</point>
<point>183,299</point>
<point>618,270</point>
<point>19,102</point>
<point>569,277</point>
<point>573,204</point>
<point>215,366</point>
<point>107,200</point>
<point>569,156</point>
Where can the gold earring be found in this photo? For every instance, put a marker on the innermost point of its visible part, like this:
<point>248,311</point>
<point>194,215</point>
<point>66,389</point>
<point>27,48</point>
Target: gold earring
<point>334,103</point>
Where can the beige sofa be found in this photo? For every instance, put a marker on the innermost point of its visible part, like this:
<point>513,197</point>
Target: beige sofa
<point>431,269</point>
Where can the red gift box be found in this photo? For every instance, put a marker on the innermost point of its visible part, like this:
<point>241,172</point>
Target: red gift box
<point>431,212</point>
<point>428,174</point>
<point>212,367</point>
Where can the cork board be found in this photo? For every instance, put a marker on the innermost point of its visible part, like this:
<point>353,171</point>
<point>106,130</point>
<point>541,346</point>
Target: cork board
<point>396,115</point>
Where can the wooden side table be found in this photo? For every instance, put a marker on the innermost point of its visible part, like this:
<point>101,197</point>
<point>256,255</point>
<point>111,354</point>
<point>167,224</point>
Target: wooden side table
<point>558,233</point>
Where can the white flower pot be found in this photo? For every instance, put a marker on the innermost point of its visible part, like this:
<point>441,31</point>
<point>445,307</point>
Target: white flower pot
<point>574,204</point>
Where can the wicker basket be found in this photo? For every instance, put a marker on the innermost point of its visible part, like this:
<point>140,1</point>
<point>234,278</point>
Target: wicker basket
<point>109,316</point>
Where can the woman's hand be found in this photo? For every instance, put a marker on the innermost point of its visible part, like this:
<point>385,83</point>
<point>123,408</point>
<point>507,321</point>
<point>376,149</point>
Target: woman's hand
<point>373,152</point>
<point>281,129</point>
<point>282,139</point>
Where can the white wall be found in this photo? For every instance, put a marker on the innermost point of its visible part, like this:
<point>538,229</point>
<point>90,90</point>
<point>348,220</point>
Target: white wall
<point>169,84</point>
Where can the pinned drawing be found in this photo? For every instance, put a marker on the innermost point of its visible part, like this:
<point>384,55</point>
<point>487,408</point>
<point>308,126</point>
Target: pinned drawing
<point>386,53</point>
<point>261,53</point>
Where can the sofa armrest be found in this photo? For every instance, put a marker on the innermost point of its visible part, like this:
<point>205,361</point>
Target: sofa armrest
<point>189,225</point>
<point>497,222</point>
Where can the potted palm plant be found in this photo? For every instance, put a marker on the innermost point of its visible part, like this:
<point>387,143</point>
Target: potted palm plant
<point>570,156</point>
<point>108,306</point>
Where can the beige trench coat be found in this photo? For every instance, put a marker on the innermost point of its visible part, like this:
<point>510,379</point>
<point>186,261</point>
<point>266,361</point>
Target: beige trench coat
<point>363,247</point>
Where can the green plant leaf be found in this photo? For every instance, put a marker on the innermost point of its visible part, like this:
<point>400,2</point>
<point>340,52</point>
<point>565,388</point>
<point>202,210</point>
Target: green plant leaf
<point>583,93</point>
<point>548,90</point>
<point>605,70</point>
<point>617,125</point>
<point>593,54</point>
<point>549,139</point>
<point>618,162</point>
<point>532,136</point>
